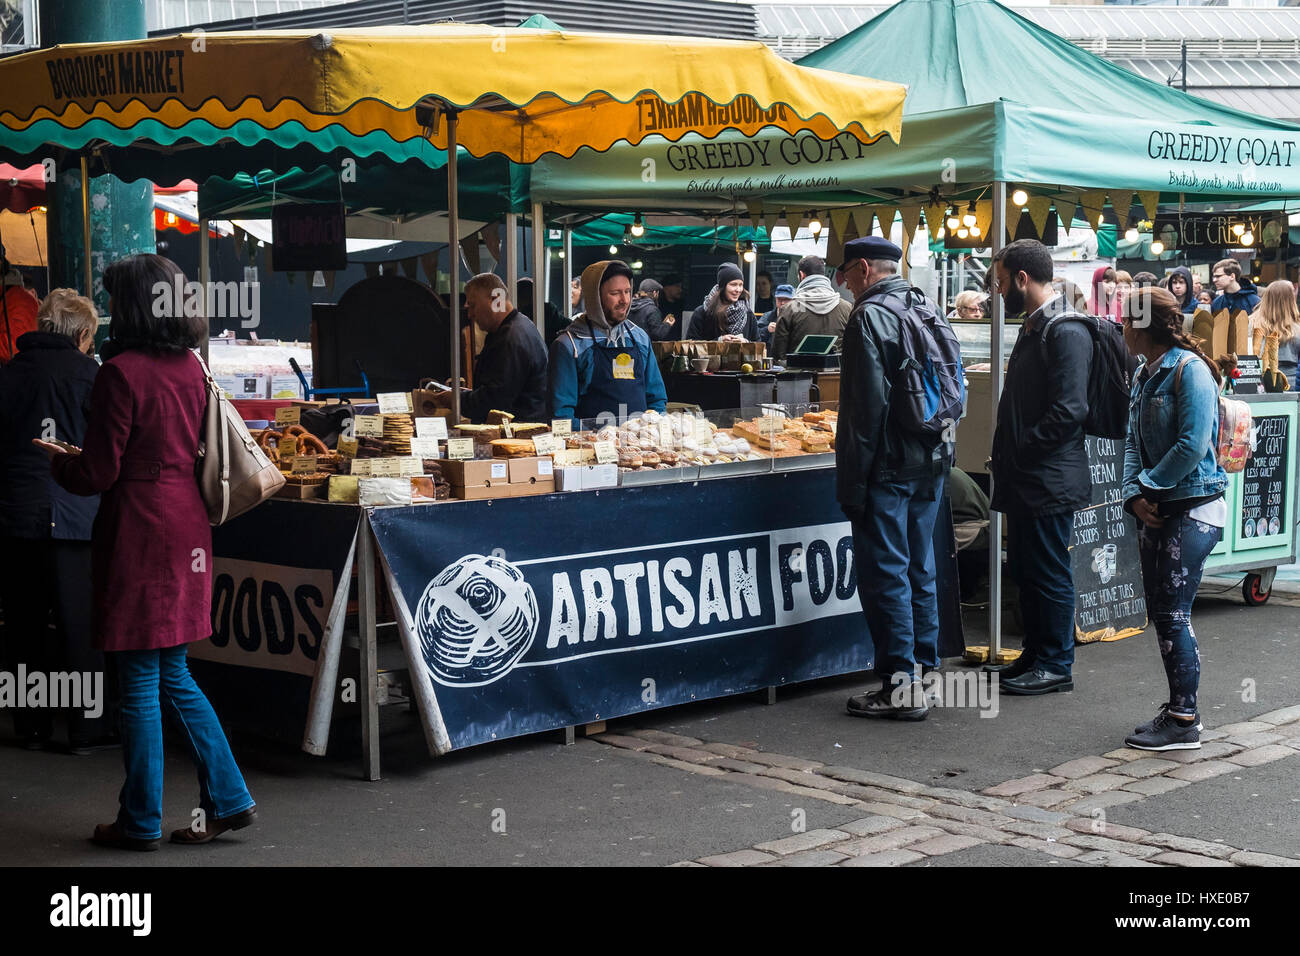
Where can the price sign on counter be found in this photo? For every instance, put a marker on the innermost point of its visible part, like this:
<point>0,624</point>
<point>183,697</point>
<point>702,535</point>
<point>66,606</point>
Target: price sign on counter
<point>386,467</point>
<point>1263,483</point>
<point>561,427</point>
<point>305,465</point>
<point>395,403</point>
<point>424,447</point>
<point>287,446</point>
<point>462,448</point>
<point>435,427</point>
<point>348,447</point>
<point>606,453</point>
<point>362,466</point>
<point>544,444</point>
<point>410,467</point>
<point>368,426</point>
<point>289,415</point>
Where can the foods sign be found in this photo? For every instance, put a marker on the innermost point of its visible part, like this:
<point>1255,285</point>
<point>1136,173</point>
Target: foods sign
<point>1223,159</point>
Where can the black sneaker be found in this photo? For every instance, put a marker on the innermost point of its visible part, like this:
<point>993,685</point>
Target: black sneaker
<point>1151,724</point>
<point>1166,734</point>
<point>910,703</point>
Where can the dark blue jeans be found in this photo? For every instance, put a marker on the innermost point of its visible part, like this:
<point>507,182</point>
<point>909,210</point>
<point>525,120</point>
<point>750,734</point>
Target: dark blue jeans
<point>148,679</point>
<point>1173,557</point>
<point>1038,559</point>
<point>893,549</point>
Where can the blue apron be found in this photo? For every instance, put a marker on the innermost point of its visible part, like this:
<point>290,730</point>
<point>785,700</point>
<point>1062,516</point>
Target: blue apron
<point>618,381</point>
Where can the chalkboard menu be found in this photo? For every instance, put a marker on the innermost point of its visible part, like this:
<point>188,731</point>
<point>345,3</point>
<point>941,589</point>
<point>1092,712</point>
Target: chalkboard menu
<point>1263,483</point>
<point>1108,595</point>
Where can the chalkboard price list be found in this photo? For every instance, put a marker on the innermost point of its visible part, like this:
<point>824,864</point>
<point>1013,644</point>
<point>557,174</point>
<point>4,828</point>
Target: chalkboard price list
<point>1263,484</point>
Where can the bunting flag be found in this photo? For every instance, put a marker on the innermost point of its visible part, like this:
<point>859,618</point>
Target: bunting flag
<point>861,216</point>
<point>411,268</point>
<point>1121,202</point>
<point>1013,218</point>
<point>794,220</point>
<point>429,262</point>
<point>492,239</point>
<point>1065,213</point>
<point>1093,202</point>
<point>934,219</point>
<point>329,281</point>
<point>755,207</point>
<point>469,247</point>
<point>840,219</point>
<point>770,221</point>
<point>885,216</point>
<point>1040,207</point>
<point>984,217</point>
<point>1150,202</point>
<point>911,219</point>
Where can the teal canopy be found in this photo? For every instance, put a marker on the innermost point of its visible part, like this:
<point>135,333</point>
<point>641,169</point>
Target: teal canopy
<point>609,230</point>
<point>991,96</point>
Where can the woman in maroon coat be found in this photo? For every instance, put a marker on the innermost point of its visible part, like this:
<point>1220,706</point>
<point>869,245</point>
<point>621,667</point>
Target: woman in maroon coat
<point>152,548</point>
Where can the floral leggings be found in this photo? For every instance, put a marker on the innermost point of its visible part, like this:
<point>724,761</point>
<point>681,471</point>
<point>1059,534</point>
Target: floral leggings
<point>1173,557</point>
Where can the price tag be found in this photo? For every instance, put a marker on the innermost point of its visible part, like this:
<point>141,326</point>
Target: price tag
<point>561,426</point>
<point>546,468</point>
<point>394,403</point>
<point>606,453</point>
<point>435,427</point>
<point>424,447</point>
<point>348,447</point>
<point>363,466</point>
<point>703,434</point>
<point>287,446</point>
<point>410,467</point>
<point>386,467</point>
<point>305,465</point>
<point>462,448</point>
<point>499,469</point>
<point>507,431</point>
<point>544,444</point>
<point>368,426</point>
<point>289,415</point>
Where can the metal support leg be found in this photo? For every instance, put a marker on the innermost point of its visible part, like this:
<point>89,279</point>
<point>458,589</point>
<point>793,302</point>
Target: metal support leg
<point>369,665</point>
<point>997,318</point>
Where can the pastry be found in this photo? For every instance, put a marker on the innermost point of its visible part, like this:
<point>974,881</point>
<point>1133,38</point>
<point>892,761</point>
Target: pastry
<point>512,448</point>
<point>650,459</point>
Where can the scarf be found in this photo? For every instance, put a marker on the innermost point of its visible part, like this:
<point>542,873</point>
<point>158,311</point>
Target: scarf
<point>735,319</point>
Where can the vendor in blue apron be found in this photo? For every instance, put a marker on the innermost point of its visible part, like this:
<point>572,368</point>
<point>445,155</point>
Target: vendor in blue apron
<point>602,365</point>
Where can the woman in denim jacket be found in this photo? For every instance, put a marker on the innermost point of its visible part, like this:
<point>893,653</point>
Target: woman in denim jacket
<point>1174,485</point>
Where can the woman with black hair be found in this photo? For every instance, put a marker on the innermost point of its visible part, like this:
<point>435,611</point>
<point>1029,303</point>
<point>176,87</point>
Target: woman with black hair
<point>1173,484</point>
<point>151,548</point>
<point>725,314</point>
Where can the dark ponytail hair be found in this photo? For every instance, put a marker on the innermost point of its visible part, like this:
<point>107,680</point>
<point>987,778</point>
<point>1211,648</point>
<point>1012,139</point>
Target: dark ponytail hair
<point>1155,312</point>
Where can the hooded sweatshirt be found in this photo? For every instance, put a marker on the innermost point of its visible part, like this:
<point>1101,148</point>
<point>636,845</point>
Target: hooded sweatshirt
<point>1245,299</point>
<point>1099,304</point>
<point>816,309</point>
<point>572,359</point>
<point>1188,302</point>
<point>18,309</point>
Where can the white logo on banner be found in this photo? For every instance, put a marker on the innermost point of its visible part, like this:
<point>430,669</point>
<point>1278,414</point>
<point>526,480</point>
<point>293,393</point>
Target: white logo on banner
<point>1105,561</point>
<point>475,620</point>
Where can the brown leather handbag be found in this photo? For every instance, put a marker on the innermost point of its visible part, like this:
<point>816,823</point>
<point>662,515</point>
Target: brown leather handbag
<point>234,474</point>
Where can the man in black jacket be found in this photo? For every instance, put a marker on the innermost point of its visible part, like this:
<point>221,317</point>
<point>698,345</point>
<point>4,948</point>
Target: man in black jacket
<point>510,372</point>
<point>889,482</point>
<point>1040,465</point>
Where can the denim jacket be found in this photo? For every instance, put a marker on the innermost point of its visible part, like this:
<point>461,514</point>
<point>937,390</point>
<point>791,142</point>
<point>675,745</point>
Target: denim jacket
<point>1171,449</point>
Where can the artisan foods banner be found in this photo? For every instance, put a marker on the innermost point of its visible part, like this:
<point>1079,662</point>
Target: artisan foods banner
<point>527,615</point>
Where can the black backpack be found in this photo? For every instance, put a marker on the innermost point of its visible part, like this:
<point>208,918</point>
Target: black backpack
<point>1112,368</point>
<point>929,389</point>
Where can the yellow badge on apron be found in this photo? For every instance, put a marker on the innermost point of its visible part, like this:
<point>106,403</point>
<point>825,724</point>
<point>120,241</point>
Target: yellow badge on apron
<point>623,367</point>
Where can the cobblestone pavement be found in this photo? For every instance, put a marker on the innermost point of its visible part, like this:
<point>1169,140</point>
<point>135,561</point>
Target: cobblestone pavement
<point>1060,814</point>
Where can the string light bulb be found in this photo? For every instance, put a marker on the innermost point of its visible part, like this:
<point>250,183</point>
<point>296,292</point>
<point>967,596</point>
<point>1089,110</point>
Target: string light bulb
<point>975,231</point>
<point>638,227</point>
<point>1247,238</point>
<point>1157,247</point>
<point>1238,228</point>
<point>1132,234</point>
<point>613,250</point>
<point>963,232</point>
<point>750,254</point>
<point>952,222</point>
<point>814,224</point>
<point>1020,197</point>
<point>968,220</point>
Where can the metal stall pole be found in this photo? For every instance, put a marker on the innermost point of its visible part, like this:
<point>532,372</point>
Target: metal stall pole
<point>453,262</point>
<point>89,276</point>
<point>567,311</point>
<point>368,669</point>
<point>539,266</point>
<point>205,277</point>
<point>997,319</point>
<point>511,247</point>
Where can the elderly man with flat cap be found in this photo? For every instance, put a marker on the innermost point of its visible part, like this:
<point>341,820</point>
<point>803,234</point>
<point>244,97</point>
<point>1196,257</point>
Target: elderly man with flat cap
<point>889,481</point>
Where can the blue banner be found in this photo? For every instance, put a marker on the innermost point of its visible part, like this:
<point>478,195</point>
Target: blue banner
<point>532,614</point>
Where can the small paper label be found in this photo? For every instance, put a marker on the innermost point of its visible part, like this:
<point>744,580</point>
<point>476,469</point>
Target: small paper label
<point>289,415</point>
<point>348,447</point>
<point>368,426</point>
<point>546,468</point>
<point>544,444</point>
<point>362,466</point>
<point>561,426</point>
<point>424,447</point>
<point>435,427</point>
<point>506,430</point>
<point>606,453</point>
<point>287,446</point>
<point>462,448</point>
<point>623,367</point>
<point>498,469</point>
<point>386,467</point>
<point>703,434</point>
<point>394,403</point>
<point>410,467</point>
<point>305,465</point>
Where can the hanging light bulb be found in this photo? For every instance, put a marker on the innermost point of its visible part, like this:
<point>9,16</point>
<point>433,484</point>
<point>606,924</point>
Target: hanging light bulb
<point>1157,247</point>
<point>952,221</point>
<point>638,228</point>
<point>638,265</point>
<point>814,224</point>
<point>561,253</point>
<point>975,231</point>
<point>1020,197</point>
<point>968,220</point>
<point>1101,219</point>
<point>613,250</point>
<point>1247,238</point>
<point>941,233</point>
<point>1131,234</point>
<point>1238,228</point>
<point>750,254</point>
<point>963,232</point>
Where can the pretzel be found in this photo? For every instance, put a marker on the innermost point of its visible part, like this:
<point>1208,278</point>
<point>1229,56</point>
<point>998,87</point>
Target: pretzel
<point>269,438</point>
<point>295,430</point>
<point>309,444</point>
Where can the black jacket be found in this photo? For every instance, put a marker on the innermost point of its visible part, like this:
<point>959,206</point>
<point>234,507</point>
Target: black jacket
<point>869,446</point>
<point>1040,464</point>
<point>510,373</point>
<point>645,313</point>
<point>704,327</point>
<point>44,392</point>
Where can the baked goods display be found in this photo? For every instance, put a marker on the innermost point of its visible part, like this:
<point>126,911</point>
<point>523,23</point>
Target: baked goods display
<point>655,441</point>
<point>398,432</point>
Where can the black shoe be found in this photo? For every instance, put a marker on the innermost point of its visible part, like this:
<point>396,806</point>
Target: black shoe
<point>1036,681</point>
<point>1012,669</point>
<point>1150,725</point>
<point>35,741</point>
<point>883,703</point>
<point>1166,733</point>
<point>84,748</point>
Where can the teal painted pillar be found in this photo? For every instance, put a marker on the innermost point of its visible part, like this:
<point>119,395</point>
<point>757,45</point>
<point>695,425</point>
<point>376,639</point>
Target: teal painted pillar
<point>121,214</point>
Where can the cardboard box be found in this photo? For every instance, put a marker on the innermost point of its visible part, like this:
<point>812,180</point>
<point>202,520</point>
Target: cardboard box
<point>586,477</point>
<point>302,492</point>
<point>568,478</point>
<point>476,473</point>
<point>240,385</point>
<point>517,490</point>
<point>530,470</point>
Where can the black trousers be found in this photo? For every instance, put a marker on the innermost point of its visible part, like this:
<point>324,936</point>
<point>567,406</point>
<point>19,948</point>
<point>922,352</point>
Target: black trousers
<point>46,596</point>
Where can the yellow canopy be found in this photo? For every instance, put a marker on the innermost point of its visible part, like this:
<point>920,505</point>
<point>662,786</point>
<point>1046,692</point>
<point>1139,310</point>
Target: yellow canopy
<point>524,93</point>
